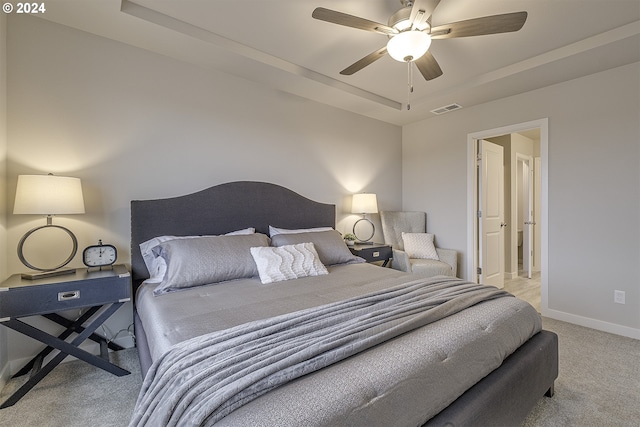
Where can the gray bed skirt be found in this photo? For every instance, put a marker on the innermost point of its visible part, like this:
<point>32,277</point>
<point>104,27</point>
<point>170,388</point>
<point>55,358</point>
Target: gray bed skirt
<point>504,397</point>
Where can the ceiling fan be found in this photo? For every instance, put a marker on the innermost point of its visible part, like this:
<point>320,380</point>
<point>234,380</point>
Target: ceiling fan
<point>410,33</point>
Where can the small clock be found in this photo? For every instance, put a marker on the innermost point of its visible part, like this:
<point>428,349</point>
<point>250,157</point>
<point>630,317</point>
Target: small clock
<point>99,255</point>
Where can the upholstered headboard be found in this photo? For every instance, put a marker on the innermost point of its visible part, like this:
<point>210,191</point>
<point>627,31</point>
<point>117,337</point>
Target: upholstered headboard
<point>222,209</point>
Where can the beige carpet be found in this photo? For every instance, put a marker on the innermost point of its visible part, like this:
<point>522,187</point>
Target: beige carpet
<point>598,386</point>
<point>77,394</point>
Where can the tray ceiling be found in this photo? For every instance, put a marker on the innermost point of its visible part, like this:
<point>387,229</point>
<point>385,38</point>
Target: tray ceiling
<point>278,43</point>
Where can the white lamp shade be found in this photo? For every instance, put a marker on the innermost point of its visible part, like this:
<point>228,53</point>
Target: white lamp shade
<point>363,203</point>
<point>408,45</point>
<point>48,195</point>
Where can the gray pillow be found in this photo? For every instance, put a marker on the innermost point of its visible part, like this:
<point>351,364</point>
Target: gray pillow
<point>329,245</point>
<point>207,259</point>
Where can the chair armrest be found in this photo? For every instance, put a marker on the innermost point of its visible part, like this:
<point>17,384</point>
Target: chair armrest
<point>401,261</point>
<point>450,256</point>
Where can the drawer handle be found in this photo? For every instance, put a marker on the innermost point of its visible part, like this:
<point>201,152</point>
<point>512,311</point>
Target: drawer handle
<point>67,295</point>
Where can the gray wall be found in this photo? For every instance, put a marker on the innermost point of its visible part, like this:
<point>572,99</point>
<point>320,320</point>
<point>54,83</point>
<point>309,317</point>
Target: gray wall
<point>594,188</point>
<point>134,125</point>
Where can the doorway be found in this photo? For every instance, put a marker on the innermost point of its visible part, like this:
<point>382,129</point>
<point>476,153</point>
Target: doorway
<point>528,162</point>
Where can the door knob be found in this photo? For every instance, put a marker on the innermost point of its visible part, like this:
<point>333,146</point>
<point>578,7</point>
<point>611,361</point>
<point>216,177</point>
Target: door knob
<point>503,224</point>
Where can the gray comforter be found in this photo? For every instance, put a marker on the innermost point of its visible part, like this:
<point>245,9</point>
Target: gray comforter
<point>200,381</point>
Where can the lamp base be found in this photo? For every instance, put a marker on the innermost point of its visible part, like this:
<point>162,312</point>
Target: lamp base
<point>45,274</point>
<point>360,239</point>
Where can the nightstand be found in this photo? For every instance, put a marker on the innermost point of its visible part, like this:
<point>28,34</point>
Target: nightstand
<point>372,253</point>
<point>90,289</point>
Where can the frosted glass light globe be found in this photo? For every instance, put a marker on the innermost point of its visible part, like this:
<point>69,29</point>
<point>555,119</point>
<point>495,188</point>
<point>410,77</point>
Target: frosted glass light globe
<point>408,46</point>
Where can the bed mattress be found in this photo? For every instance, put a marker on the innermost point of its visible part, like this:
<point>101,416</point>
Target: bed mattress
<point>405,381</point>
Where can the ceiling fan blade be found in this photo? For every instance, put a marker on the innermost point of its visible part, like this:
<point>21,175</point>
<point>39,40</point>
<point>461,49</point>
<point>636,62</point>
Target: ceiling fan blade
<point>367,60</point>
<point>422,10</point>
<point>351,21</point>
<point>493,24</point>
<point>428,66</point>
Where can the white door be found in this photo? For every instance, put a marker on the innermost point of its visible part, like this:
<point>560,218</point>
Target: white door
<point>491,216</point>
<point>527,229</point>
<point>537,253</point>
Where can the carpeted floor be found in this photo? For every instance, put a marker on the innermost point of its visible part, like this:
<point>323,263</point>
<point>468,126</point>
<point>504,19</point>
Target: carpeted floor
<point>77,394</point>
<point>598,386</point>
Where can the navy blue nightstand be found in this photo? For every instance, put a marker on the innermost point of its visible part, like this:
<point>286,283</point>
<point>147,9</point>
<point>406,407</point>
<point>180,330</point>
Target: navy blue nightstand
<point>373,252</point>
<point>92,289</point>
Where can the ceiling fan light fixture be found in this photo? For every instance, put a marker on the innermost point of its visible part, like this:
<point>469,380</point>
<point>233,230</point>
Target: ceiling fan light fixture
<point>408,46</point>
<point>401,20</point>
<point>403,25</point>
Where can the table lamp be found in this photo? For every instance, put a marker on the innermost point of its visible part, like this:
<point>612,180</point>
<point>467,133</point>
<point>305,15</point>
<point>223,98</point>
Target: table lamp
<point>48,195</point>
<point>364,203</point>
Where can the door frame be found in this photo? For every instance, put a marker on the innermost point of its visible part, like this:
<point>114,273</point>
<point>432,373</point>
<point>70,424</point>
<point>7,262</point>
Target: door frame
<point>472,199</point>
<point>528,237</point>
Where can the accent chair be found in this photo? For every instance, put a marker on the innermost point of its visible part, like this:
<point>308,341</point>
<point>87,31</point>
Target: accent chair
<point>394,223</point>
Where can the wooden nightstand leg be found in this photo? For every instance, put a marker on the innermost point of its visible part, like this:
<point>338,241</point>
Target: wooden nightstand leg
<point>104,350</point>
<point>65,349</point>
<point>76,326</point>
<point>72,348</point>
<point>63,336</point>
<point>34,379</point>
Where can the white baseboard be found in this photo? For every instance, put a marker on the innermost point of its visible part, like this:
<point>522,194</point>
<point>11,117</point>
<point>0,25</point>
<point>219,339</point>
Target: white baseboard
<point>599,325</point>
<point>92,347</point>
<point>4,375</point>
<point>510,276</point>
<point>16,364</point>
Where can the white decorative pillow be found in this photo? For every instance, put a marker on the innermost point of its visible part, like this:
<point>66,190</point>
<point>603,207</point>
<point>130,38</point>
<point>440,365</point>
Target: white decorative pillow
<point>273,231</point>
<point>242,232</point>
<point>420,245</point>
<point>287,262</point>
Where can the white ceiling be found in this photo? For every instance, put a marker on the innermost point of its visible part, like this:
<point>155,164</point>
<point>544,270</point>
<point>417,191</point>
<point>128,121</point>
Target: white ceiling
<point>278,43</point>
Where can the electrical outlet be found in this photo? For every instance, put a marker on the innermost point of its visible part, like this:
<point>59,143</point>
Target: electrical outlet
<point>618,297</point>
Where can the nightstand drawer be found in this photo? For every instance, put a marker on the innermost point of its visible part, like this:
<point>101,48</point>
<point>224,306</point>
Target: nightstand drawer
<point>372,253</point>
<point>375,254</point>
<point>79,290</point>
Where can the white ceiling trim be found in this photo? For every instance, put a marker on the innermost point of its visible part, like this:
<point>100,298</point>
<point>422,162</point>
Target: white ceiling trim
<point>582,46</point>
<point>200,33</point>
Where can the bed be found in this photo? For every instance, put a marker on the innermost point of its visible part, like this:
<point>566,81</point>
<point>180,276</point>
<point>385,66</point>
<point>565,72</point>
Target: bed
<point>488,363</point>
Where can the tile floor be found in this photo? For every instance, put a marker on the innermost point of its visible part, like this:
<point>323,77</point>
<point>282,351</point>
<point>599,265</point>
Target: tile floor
<point>524,288</point>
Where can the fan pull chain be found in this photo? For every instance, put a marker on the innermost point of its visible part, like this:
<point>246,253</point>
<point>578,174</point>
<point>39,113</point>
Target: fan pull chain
<point>409,84</point>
